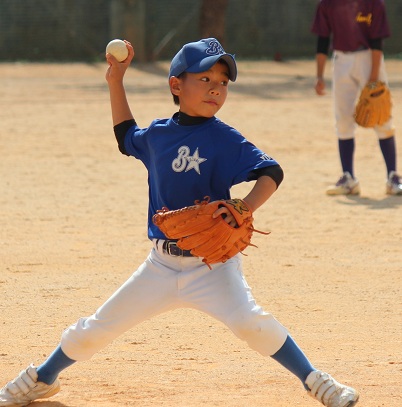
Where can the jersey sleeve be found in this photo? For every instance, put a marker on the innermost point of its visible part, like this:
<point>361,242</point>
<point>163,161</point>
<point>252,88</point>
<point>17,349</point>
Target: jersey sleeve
<point>120,131</point>
<point>136,143</point>
<point>321,25</point>
<point>242,157</point>
<point>379,27</point>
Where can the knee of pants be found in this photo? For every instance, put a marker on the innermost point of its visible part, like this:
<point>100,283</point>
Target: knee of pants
<point>85,338</point>
<point>262,332</point>
<point>385,131</point>
<point>345,129</point>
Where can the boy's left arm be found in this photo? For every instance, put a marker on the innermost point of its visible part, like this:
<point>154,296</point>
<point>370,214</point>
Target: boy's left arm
<point>262,190</point>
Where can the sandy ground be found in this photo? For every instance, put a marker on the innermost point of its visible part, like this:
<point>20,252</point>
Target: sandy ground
<point>73,228</point>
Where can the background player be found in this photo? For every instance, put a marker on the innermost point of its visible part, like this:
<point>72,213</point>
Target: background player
<point>357,29</point>
<point>188,156</point>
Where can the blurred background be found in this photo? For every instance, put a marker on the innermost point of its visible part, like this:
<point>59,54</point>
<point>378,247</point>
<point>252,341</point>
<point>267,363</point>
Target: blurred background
<point>78,30</point>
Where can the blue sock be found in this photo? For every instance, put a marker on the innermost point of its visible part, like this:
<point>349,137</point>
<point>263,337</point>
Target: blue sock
<point>346,153</point>
<point>388,150</point>
<point>50,369</point>
<point>292,358</point>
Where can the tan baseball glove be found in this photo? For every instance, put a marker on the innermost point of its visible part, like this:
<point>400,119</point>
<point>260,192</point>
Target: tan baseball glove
<point>374,105</point>
<point>213,239</point>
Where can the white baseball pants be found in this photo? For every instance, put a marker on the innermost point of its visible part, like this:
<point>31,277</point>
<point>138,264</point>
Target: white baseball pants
<point>163,283</point>
<point>351,72</point>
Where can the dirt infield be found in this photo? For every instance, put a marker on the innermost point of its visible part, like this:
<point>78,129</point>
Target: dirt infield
<point>73,228</point>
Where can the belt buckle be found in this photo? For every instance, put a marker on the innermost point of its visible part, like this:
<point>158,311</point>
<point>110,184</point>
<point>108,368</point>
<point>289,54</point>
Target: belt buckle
<point>169,245</point>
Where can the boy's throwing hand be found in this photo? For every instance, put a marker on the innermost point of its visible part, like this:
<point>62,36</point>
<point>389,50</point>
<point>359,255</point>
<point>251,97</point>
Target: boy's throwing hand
<point>117,69</point>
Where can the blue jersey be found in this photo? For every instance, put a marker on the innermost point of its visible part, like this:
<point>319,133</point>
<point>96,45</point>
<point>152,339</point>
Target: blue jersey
<point>187,163</point>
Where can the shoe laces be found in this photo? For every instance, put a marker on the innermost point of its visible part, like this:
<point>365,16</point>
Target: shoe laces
<point>24,382</point>
<point>326,390</point>
<point>343,180</point>
<point>321,386</point>
<point>395,180</point>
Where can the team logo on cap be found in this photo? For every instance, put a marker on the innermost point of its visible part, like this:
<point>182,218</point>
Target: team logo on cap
<point>215,48</point>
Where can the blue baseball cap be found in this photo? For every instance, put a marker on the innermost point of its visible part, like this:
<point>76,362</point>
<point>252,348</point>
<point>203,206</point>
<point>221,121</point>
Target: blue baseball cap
<point>199,56</point>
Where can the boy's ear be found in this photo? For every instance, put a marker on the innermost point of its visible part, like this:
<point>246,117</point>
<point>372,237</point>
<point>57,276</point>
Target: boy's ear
<point>175,85</point>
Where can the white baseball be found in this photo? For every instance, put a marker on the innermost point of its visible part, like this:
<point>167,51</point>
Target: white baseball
<point>118,49</point>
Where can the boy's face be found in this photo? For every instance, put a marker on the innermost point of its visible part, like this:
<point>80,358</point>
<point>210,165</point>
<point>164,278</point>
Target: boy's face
<point>202,94</point>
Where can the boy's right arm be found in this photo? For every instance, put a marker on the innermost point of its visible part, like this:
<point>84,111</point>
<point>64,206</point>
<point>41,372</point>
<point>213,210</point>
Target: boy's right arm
<point>114,77</point>
<point>321,59</point>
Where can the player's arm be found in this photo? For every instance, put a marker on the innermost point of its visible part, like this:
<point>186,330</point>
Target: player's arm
<point>262,190</point>
<point>114,76</point>
<point>321,59</point>
<point>376,58</point>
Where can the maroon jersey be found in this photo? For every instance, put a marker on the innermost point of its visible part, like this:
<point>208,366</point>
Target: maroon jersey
<point>351,23</point>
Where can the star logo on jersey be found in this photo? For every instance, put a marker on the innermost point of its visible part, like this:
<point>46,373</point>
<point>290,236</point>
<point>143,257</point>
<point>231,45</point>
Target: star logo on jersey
<point>186,162</point>
<point>194,161</point>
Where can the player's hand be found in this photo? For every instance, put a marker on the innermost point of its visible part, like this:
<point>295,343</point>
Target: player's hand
<point>116,69</point>
<point>320,87</point>
<point>227,216</point>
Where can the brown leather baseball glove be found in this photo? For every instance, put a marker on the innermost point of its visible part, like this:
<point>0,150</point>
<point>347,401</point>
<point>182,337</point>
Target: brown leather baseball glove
<point>213,239</point>
<point>374,105</point>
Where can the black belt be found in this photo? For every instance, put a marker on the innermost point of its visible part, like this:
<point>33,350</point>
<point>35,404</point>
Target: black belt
<point>170,247</point>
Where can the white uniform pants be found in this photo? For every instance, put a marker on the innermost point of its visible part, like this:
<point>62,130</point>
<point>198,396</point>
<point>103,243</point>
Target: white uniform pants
<point>351,72</point>
<point>164,283</point>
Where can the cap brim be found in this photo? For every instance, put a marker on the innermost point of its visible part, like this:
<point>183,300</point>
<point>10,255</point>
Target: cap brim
<point>208,62</point>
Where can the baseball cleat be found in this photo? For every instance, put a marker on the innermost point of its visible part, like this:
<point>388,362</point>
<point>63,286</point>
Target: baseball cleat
<point>346,185</point>
<point>394,184</point>
<point>25,388</point>
<point>329,392</point>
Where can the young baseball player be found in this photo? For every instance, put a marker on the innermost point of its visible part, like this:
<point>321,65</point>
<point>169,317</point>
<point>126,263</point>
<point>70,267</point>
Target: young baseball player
<point>357,30</point>
<point>188,156</point>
